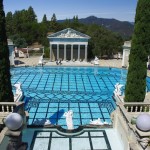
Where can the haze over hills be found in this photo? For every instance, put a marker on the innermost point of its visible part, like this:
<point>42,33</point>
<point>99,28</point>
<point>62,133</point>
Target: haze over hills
<point>124,28</point>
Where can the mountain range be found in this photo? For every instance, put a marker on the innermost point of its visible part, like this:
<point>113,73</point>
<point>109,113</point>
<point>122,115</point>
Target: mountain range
<point>124,28</point>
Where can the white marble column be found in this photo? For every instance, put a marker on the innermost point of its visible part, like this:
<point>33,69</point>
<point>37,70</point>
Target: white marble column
<point>50,52</point>
<point>64,51</point>
<point>78,52</point>
<point>57,51</point>
<point>85,53</point>
<point>72,52</point>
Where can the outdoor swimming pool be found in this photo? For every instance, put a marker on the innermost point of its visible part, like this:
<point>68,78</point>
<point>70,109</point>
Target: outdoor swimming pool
<point>51,91</point>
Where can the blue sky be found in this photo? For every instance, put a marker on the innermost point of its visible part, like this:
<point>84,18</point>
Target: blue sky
<point>123,10</point>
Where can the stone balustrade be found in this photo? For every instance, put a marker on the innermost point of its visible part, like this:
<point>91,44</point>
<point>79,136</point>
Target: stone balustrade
<point>15,137</point>
<point>9,107</point>
<point>128,131</point>
<point>137,107</point>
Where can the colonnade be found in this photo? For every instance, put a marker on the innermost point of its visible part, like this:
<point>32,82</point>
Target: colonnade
<point>65,54</point>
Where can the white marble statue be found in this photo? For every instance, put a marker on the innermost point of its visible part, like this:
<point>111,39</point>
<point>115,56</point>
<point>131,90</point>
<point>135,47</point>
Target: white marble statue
<point>96,61</point>
<point>96,58</point>
<point>69,121</point>
<point>19,93</point>
<point>69,34</point>
<point>18,88</point>
<point>118,90</point>
<point>96,122</point>
<point>47,122</point>
<point>41,60</point>
<point>143,141</point>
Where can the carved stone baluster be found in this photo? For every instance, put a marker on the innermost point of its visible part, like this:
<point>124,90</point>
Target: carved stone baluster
<point>12,108</point>
<point>2,108</point>
<point>145,108</point>
<point>141,109</point>
<point>7,108</point>
<point>131,108</point>
<point>127,108</point>
<point>136,108</point>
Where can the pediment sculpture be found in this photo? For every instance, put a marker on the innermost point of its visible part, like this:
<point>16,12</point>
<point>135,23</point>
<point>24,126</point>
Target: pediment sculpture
<point>68,34</point>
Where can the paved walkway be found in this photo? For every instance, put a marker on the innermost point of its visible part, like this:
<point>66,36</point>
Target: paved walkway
<point>33,61</point>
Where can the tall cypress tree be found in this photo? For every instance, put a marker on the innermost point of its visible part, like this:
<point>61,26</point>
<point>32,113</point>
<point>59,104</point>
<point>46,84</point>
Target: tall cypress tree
<point>140,48</point>
<point>6,94</point>
<point>44,20</point>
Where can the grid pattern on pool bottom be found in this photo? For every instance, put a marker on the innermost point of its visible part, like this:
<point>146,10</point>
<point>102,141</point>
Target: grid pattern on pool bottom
<point>48,90</point>
<point>88,140</point>
<point>82,113</point>
<point>83,80</point>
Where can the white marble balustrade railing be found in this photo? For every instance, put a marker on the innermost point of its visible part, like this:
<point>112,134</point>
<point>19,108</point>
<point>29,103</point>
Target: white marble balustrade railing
<point>137,107</point>
<point>11,107</point>
<point>7,107</point>
<point>124,115</point>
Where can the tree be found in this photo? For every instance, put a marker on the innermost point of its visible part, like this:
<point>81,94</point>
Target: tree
<point>54,26</point>
<point>6,94</point>
<point>75,22</point>
<point>104,42</point>
<point>31,15</point>
<point>140,48</point>
<point>18,41</point>
<point>44,20</point>
<point>9,23</point>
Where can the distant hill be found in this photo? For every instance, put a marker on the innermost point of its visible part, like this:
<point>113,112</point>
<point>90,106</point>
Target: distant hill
<point>124,28</point>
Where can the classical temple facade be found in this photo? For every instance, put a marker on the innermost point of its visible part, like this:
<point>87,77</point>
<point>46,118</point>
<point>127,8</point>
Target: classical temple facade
<point>126,53</point>
<point>68,45</point>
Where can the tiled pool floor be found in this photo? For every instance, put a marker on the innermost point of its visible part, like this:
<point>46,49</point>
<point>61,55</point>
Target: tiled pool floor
<point>82,112</point>
<point>51,91</point>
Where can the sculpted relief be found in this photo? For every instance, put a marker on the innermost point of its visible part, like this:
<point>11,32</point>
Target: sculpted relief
<point>69,34</point>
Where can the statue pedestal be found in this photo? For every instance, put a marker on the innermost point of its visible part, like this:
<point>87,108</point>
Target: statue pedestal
<point>15,140</point>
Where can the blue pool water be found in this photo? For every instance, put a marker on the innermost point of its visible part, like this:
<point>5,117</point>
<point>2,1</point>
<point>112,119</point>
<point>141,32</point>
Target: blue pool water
<point>51,91</point>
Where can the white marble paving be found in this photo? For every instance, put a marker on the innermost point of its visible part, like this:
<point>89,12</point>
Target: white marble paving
<point>80,144</point>
<point>60,144</point>
<point>99,143</point>
<point>41,144</point>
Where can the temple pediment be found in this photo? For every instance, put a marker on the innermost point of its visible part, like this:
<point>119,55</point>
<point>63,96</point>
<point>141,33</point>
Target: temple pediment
<point>68,33</point>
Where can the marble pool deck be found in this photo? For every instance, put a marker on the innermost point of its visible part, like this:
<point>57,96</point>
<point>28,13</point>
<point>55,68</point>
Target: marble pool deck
<point>88,139</point>
<point>33,61</point>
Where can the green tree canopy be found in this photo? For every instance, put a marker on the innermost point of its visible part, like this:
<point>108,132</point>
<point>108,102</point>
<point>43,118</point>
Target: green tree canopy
<point>31,15</point>
<point>9,23</point>
<point>24,23</point>
<point>140,49</point>
<point>6,94</point>
<point>44,20</point>
<point>104,41</point>
<point>18,41</point>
